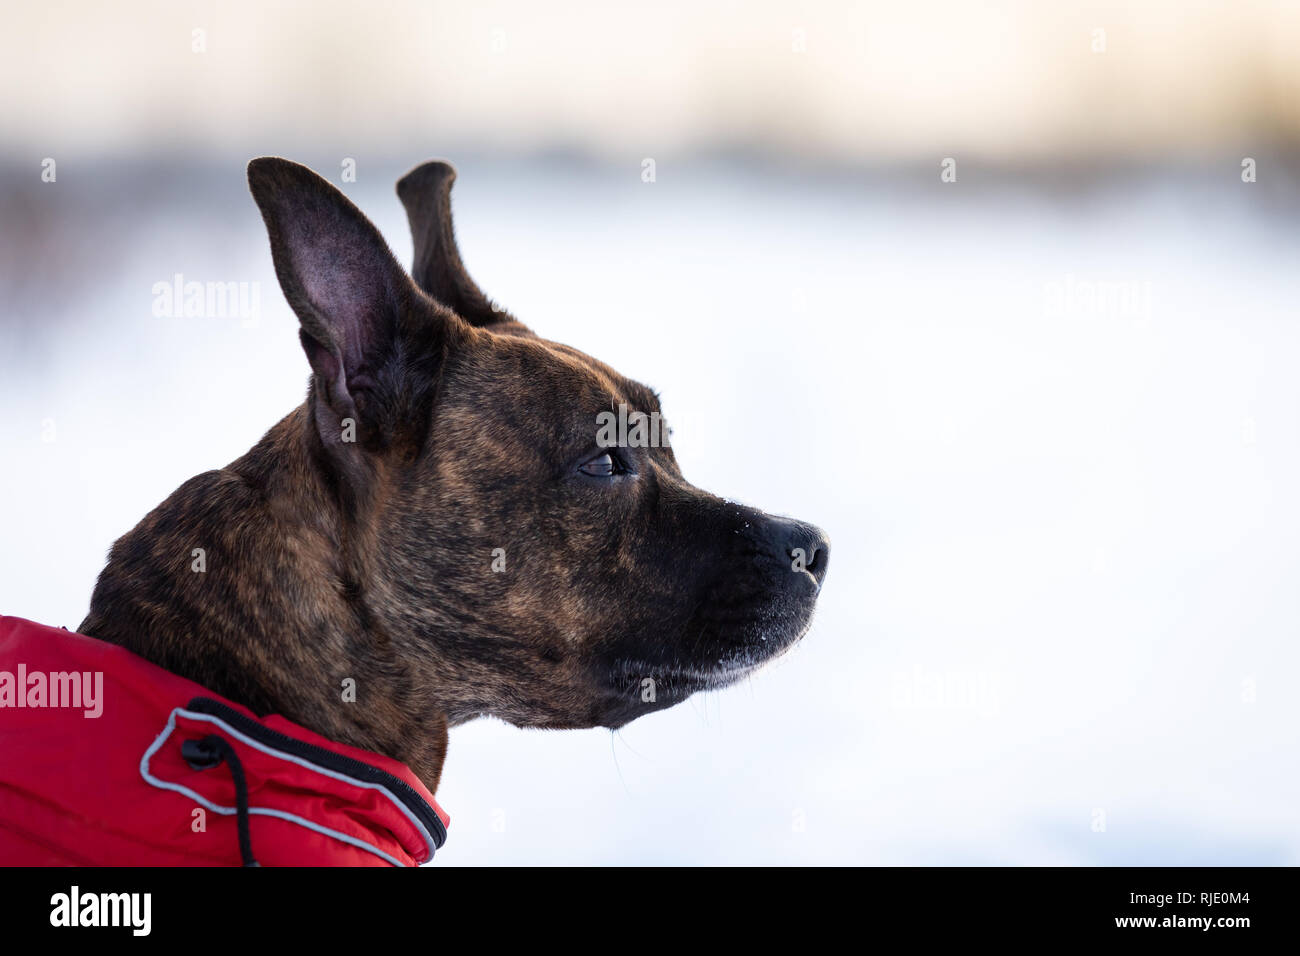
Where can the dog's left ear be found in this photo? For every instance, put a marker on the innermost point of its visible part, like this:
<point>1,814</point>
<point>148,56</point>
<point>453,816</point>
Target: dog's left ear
<point>437,268</point>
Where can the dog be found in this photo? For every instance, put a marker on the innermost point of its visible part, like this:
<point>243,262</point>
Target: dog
<point>436,533</point>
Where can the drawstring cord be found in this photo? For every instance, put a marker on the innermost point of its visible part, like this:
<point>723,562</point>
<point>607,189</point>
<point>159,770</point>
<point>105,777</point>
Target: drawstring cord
<point>207,753</point>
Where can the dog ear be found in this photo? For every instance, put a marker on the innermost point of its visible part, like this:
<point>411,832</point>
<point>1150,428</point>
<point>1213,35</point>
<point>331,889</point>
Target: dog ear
<point>437,269</point>
<point>347,288</point>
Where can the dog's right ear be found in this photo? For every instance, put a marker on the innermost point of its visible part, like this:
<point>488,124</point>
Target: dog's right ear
<point>349,292</point>
<point>437,268</point>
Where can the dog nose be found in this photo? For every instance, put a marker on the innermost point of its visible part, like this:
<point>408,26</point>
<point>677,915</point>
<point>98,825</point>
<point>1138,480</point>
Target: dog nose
<point>809,550</point>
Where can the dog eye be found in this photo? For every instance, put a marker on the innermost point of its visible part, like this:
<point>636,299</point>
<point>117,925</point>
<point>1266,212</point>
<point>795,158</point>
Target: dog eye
<point>602,466</point>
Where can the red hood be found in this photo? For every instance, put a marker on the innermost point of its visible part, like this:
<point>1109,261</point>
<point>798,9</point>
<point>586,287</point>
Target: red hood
<point>92,771</point>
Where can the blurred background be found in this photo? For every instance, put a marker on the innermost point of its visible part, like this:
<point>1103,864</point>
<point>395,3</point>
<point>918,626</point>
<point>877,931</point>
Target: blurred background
<point>1002,295</point>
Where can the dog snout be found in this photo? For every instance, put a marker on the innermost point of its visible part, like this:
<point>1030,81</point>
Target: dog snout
<point>807,547</point>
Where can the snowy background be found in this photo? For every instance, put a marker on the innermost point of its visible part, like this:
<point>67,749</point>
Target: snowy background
<point>1049,415</point>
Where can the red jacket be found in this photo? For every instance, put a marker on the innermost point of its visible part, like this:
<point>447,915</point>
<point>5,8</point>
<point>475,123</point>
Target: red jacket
<point>106,759</point>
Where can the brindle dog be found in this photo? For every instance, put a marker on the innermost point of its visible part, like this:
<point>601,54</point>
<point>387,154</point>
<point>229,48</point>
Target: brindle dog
<point>358,539</point>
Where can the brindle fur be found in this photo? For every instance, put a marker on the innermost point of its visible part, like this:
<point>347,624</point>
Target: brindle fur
<point>372,559</point>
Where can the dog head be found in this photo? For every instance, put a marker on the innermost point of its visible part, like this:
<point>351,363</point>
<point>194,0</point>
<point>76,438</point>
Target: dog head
<point>514,508</point>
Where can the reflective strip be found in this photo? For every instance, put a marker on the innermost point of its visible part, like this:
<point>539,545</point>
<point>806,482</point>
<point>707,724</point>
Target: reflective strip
<point>269,811</point>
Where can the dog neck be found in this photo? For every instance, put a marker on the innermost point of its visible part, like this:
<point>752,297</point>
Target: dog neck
<point>254,582</point>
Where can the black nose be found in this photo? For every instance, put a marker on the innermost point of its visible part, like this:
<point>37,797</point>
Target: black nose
<point>809,549</point>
